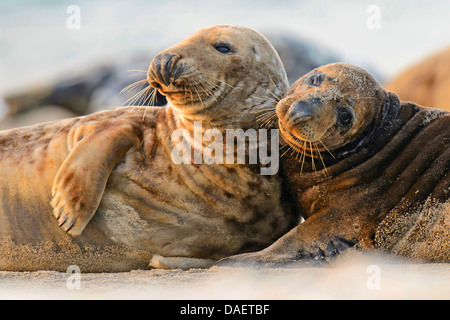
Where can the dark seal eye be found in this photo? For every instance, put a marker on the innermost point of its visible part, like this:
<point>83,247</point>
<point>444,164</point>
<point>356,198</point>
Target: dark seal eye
<point>345,116</point>
<point>316,79</point>
<point>223,48</point>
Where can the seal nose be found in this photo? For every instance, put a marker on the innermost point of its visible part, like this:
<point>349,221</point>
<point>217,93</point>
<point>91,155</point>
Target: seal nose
<point>298,112</point>
<point>161,69</point>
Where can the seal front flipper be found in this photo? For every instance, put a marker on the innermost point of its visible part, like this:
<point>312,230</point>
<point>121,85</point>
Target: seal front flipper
<point>316,241</point>
<point>94,151</point>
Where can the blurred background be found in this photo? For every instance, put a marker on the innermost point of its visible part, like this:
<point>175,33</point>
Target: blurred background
<point>67,58</point>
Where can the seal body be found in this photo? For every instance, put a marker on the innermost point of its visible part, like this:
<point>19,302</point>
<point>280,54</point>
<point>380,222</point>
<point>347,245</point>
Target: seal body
<point>149,203</point>
<point>364,169</point>
<point>109,180</point>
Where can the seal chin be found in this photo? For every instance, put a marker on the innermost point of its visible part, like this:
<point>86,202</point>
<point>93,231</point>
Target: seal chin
<point>297,135</point>
<point>173,92</point>
<point>310,145</point>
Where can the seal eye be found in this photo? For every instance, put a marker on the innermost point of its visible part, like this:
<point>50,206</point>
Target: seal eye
<point>345,116</point>
<point>316,79</point>
<point>223,48</point>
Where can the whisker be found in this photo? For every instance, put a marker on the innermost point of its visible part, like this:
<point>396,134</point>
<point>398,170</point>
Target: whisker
<point>208,90</point>
<point>214,86</point>
<point>225,83</point>
<point>133,85</point>
<point>264,99</point>
<point>312,157</point>
<point>135,75</point>
<point>266,115</point>
<point>136,96</point>
<point>198,95</point>
<point>327,149</point>
<point>320,156</point>
<point>192,96</point>
<point>303,156</point>
<point>269,121</point>
<point>134,101</point>
<point>297,150</point>
<point>262,113</point>
<point>266,109</point>
<point>149,98</point>
<point>144,96</point>
<point>287,150</point>
<point>278,98</point>
<point>152,98</point>
<point>145,111</point>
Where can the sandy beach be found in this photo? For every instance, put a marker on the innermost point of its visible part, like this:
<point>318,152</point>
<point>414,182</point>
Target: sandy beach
<point>349,278</point>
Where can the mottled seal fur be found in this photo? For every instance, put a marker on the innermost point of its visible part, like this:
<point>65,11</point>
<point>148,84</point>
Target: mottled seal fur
<point>364,169</point>
<point>109,180</point>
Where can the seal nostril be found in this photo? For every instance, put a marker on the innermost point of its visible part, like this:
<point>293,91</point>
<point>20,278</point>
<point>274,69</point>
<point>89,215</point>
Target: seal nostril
<point>169,62</point>
<point>155,85</point>
<point>162,67</point>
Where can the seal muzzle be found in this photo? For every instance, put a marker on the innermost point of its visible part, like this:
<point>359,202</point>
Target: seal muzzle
<point>162,69</point>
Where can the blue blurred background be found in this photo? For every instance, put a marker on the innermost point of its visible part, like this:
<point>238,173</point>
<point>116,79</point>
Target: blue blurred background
<point>36,44</point>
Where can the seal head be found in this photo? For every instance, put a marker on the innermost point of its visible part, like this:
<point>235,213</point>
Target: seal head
<point>330,108</point>
<point>219,74</point>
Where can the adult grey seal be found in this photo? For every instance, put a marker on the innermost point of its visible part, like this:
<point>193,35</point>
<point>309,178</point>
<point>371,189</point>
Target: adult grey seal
<point>109,179</point>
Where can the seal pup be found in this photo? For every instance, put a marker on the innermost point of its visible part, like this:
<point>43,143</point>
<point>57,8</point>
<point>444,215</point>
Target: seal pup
<point>364,169</point>
<point>109,180</point>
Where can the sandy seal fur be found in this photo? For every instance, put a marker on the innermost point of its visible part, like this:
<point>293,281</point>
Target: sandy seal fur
<point>364,169</point>
<point>109,180</point>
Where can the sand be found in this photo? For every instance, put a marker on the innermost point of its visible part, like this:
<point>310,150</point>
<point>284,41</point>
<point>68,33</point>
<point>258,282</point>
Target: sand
<point>363,277</point>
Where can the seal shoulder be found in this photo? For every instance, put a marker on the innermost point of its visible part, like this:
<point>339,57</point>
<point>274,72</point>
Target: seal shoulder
<point>96,144</point>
